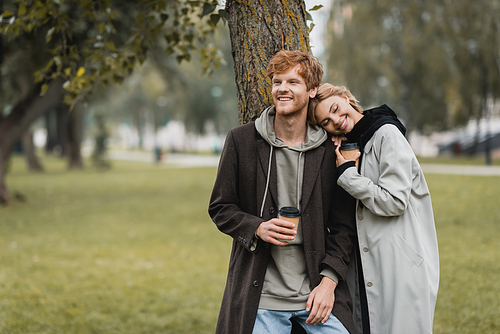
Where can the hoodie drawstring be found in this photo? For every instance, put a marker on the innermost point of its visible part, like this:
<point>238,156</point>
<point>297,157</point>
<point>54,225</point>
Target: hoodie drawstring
<point>267,181</point>
<point>298,181</point>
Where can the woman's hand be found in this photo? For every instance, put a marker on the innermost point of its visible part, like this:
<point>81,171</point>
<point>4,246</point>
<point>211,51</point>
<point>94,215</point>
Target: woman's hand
<point>342,160</point>
<point>337,140</point>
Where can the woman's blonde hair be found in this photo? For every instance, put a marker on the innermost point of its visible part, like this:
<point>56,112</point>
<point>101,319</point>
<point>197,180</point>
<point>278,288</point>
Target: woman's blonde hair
<point>325,91</point>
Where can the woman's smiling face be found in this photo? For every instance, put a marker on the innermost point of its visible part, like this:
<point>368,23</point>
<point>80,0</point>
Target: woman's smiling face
<point>336,115</point>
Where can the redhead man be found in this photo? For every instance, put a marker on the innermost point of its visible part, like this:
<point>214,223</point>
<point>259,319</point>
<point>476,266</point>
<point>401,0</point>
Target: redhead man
<point>279,272</point>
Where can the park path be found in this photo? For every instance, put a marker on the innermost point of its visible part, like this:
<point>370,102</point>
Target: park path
<point>461,169</point>
<point>183,160</point>
<point>169,160</point>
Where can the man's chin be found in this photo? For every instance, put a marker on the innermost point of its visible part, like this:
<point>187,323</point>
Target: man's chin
<point>287,111</point>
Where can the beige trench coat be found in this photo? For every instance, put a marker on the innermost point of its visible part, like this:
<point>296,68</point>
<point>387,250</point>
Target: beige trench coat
<point>397,237</point>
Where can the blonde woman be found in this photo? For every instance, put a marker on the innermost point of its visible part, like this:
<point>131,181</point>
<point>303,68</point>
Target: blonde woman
<point>394,279</point>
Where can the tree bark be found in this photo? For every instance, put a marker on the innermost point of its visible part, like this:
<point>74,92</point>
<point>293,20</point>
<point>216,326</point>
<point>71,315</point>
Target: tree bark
<point>258,30</point>
<point>18,121</point>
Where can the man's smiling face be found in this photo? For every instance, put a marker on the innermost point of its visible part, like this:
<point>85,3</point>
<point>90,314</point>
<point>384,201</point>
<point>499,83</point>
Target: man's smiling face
<point>290,93</point>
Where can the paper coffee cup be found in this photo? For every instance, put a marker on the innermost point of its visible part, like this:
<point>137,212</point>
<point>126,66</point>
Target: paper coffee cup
<point>349,151</point>
<point>290,214</point>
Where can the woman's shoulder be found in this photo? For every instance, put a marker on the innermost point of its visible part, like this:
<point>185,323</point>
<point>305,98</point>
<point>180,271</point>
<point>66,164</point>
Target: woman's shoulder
<point>389,130</point>
<point>387,134</point>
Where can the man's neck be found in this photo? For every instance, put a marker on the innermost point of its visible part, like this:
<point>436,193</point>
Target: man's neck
<point>292,130</point>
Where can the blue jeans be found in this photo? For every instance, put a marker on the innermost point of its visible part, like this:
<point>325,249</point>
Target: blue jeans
<point>280,322</point>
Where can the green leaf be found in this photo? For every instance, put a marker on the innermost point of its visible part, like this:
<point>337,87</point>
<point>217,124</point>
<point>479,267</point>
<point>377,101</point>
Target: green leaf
<point>223,13</point>
<point>118,78</point>
<point>308,17</point>
<point>38,76</point>
<point>22,9</point>
<point>189,38</point>
<point>43,89</point>
<point>180,58</point>
<point>311,27</point>
<point>214,18</point>
<point>316,8</point>
<point>207,9</point>
<point>111,46</point>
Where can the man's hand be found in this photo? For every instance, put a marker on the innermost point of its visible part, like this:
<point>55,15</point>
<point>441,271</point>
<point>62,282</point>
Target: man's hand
<point>320,302</point>
<point>272,230</point>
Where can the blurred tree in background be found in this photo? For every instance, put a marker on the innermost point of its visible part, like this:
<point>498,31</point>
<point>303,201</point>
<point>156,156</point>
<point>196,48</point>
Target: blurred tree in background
<point>162,90</point>
<point>435,62</point>
<point>72,46</point>
<point>79,47</point>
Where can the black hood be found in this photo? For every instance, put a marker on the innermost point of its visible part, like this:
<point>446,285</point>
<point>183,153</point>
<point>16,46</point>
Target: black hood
<point>373,119</point>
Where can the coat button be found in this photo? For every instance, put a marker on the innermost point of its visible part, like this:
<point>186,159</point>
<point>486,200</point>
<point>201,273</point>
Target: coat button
<point>255,283</point>
<point>271,210</point>
<point>370,284</point>
<point>365,249</point>
<point>360,216</point>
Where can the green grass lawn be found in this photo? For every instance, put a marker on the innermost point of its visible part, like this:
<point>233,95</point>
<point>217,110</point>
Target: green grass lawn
<point>132,250</point>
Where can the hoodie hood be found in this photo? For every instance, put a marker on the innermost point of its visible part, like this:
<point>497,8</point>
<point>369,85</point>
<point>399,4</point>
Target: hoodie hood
<point>265,127</point>
<point>372,121</point>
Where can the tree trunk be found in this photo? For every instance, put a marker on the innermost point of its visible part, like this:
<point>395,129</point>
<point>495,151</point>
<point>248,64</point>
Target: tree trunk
<point>258,30</point>
<point>56,122</point>
<point>32,160</point>
<point>4,159</point>
<point>75,136</point>
<point>486,113</point>
<point>19,120</point>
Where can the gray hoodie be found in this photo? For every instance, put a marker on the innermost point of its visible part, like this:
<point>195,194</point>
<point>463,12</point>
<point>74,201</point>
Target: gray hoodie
<point>286,285</point>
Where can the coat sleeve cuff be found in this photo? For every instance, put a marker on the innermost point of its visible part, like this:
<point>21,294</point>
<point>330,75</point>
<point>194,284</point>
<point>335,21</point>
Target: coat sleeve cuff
<point>342,168</point>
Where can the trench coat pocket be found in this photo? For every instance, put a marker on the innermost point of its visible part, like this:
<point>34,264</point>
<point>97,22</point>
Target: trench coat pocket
<point>397,240</point>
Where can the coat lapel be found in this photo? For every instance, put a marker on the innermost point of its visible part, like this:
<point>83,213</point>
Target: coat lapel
<point>264,149</point>
<point>312,167</point>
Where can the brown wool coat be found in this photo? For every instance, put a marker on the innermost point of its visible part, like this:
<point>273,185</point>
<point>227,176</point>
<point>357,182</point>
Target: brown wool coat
<point>327,219</point>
